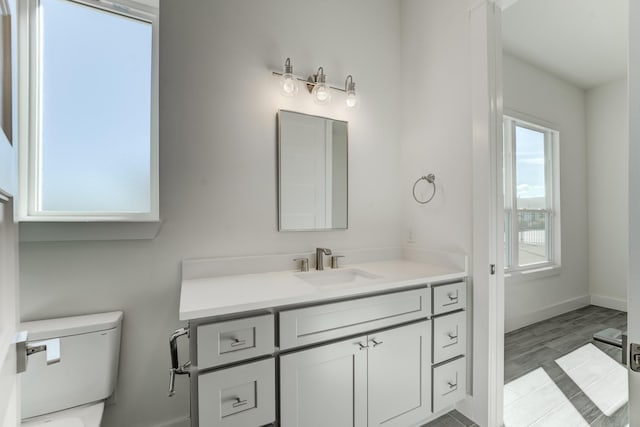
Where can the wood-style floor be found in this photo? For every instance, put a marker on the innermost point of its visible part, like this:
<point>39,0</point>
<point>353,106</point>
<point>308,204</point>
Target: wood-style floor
<point>452,419</point>
<point>539,345</point>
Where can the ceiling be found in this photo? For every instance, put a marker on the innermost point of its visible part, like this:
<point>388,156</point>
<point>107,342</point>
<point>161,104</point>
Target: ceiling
<point>581,41</point>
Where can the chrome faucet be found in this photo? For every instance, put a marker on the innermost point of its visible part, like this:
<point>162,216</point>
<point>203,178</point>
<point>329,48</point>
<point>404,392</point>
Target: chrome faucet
<point>320,258</point>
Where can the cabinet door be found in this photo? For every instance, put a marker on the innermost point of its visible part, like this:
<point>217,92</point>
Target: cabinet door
<point>325,386</point>
<point>400,375</point>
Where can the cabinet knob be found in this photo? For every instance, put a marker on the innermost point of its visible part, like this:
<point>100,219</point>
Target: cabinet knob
<point>376,342</point>
<point>452,385</point>
<point>362,346</point>
<point>452,336</point>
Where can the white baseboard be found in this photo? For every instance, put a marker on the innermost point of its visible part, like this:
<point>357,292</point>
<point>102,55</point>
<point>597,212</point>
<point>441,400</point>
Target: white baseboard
<point>608,302</point>
<point>177,422</point>
<point>520,321</point>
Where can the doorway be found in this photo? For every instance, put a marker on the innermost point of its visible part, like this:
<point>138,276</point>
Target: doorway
<point>564,69</point>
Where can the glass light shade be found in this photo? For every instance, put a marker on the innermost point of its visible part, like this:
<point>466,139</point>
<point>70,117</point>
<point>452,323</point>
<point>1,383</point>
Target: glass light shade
<point>352,100</point>
<point>321,94</point>
<point>288,85</point>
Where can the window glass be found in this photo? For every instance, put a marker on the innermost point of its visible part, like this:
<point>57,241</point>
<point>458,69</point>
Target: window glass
<point>95,110</point>
<point>531,200</point>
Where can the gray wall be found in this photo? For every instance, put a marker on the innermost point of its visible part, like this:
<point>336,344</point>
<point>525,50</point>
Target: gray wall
<point>218,103</point>
<point>539,95</point>
<point>608,179</point>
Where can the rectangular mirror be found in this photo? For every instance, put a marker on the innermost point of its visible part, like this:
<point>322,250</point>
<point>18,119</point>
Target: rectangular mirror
<point>312,172</point>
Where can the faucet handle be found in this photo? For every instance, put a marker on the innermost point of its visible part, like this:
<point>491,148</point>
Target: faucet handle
<point>304,264</point>
<point>334,261</point>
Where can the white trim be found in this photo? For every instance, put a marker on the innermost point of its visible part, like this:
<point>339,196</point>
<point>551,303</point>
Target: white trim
<point>633,284</point>
<point>609,302</point>
<point>552,190</point>
<point>29,129</point>
<point>525,319</point>
<point>83,231</point>
<point>122,7</point>
<point>486,406</point>
<point>519,276</point>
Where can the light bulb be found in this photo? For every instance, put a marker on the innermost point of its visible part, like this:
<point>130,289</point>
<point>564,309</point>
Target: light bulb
<point>288,82</point>
<point>352,97</point>
<point>288,85</point>
<point>321,94</point>
<point>352,100</point>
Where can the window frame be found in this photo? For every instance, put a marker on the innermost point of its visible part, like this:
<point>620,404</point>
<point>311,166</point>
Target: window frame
<point>29,115</point>
<point>512,120</point>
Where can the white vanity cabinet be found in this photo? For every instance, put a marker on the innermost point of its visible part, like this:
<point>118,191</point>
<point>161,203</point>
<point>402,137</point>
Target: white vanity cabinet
<point>383,360</point>
<point>378,379</point>
<point>449,344</point>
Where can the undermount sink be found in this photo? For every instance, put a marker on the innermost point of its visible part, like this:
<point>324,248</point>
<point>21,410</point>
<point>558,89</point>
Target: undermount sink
<point>336,277</point>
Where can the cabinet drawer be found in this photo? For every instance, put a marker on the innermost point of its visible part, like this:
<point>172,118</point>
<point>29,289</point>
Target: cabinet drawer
<point>449,297</point>
<point>449,383</point>
<point>449,336</point>
<point>235,340</point>
<point>240,396</point>
<point>330,321</point>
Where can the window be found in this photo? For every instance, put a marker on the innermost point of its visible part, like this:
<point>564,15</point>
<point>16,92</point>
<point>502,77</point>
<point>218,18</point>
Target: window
<point>90,149</point>
<point>531,195</point>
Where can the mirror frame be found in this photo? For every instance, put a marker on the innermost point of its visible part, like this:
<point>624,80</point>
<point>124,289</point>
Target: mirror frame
<point>279,179</point>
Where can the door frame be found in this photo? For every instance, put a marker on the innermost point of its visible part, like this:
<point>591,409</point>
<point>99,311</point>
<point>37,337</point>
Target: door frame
<point>486,407</point>
<point>633,282</point>
<point>488,225</point>
<point>10,390</point>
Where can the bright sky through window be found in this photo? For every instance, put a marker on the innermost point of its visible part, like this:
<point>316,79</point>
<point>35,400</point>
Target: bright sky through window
<point>530,163</point>
<point>95,110</point>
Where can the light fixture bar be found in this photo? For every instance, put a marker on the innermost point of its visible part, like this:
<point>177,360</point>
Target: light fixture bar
<point>307,82</point>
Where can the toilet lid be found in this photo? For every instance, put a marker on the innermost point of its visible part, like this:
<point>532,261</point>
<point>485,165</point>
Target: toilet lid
<point>82,416</point>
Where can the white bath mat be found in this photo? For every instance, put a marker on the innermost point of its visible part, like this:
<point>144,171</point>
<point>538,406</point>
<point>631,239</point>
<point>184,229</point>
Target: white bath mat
<point>600,377</point>
<point>535,400</point>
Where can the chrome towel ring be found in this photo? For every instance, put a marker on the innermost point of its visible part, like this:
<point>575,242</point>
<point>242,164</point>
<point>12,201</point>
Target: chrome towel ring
<point>431,179</point>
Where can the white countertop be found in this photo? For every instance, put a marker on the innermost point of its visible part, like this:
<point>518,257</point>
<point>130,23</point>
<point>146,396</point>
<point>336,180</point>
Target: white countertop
<point>214,296</point>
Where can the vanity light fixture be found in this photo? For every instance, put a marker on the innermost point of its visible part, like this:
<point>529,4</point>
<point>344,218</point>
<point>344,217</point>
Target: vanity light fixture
<point>288,82</point>
<point>316,85</point>
<point>352,97</point>
<point>320,90</point>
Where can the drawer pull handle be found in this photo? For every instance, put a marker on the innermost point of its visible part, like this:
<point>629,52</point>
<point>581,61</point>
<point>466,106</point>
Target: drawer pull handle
<point>362,346</point>
<point>451,336</point>
<point>452,385</point>
<point>239,402</point>
<point>237,343</point>
<point>376,342</point>
<point>453,297</point>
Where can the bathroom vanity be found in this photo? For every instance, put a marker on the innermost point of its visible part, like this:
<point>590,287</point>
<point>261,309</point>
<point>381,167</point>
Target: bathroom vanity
<point>370,344</point>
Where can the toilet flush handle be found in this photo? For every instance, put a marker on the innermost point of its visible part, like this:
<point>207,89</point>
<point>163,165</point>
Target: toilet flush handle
<point>24,349</point>
<point>51,347</point>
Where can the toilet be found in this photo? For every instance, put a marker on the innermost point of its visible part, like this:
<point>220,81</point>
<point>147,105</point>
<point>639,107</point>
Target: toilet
<point>71,392</point>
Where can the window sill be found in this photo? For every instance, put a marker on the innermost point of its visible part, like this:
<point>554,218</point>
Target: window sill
<point>517,276</point>
<point>83,231</point>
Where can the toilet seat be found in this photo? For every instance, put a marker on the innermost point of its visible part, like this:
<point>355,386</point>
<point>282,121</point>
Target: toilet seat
<point>80,416</point>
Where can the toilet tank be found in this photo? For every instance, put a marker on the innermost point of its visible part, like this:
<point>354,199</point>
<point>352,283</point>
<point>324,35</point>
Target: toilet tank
<point>88,367</point>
